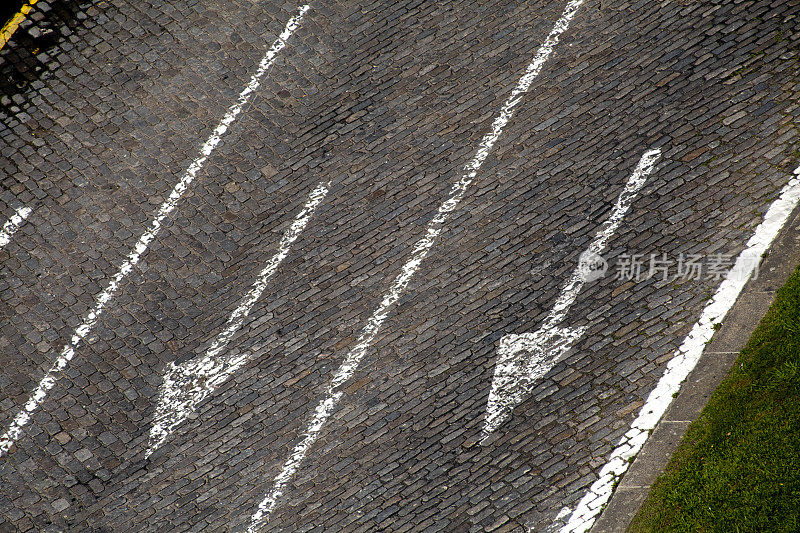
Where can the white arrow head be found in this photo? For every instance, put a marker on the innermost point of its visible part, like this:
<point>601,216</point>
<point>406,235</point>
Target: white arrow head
<point>521,361</point>
<point>185,386</point>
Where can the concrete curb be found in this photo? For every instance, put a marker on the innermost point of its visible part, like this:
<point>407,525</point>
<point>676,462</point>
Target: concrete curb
<point>720,354</point>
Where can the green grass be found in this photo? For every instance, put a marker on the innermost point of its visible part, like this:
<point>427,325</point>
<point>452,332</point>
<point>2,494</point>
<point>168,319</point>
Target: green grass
<point>738,467</point>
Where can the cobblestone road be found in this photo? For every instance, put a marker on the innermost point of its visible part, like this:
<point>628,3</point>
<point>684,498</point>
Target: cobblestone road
<point>105,105</point>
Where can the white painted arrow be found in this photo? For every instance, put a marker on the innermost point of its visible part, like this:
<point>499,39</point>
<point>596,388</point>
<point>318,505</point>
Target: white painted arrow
<point>106,296</point>
<point>523,359</point>
<point>682,363</point>
<point>189,383</point>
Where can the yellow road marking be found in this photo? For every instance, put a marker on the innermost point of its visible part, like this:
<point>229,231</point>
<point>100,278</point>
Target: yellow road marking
<point>12,25</point>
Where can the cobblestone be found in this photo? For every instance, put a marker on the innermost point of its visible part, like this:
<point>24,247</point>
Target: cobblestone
<point>107,103</point>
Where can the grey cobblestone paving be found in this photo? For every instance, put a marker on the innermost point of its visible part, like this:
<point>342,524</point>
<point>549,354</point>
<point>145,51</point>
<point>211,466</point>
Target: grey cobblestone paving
<point>388,101</point>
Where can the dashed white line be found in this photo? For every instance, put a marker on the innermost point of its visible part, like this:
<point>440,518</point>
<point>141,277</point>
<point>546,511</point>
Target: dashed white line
<point>187,384</point>
<point>23,417</point>
<point>685,358</point>
<point>523,359</point>
<point>13,224</point>
<point>398,287</point>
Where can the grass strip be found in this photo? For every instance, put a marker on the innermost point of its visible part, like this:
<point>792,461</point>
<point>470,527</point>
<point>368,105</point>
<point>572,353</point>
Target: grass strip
<point>737,469</point>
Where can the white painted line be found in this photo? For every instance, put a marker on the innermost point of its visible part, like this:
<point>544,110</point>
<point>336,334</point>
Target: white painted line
<point>523,359</point>
<point>321,415</point>
<point>189,383</point>
<point>13,224</point>
<point>398,287</point>
<point>685,358</point>
<point>23,417</point>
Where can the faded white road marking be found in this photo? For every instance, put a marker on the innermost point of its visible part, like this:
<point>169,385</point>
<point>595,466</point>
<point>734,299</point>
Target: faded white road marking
<point>13,224</point>
<point>398,287</point>
<point>187,384</point>
<point>523,359</point>
<point>685,358</point>
<point>321,414</point>
<point>23,417</point>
